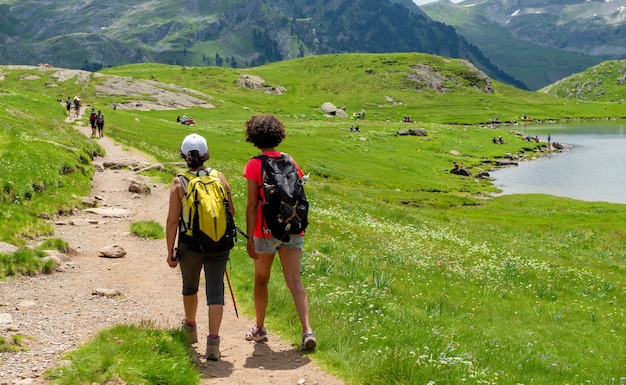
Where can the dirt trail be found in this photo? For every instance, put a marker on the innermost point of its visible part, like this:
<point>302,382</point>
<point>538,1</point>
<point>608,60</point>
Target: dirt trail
<point>60,310</point>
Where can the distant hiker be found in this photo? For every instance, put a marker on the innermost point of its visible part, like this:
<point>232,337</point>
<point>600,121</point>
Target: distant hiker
<point>114,106</point>
<point>92,122</point>
<point>68,106</point>
<point>178,119</point>
<point>193,259</point>
<point>184,119</point>
<point>76,105</point>
<point>100,124</point>
<point>190,121</point>
<point>266,132</point>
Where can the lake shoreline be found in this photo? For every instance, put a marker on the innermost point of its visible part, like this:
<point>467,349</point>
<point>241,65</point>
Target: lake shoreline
<point>580,174</point>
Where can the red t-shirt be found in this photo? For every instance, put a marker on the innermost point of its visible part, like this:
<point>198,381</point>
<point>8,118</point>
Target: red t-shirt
<point>252,171</point>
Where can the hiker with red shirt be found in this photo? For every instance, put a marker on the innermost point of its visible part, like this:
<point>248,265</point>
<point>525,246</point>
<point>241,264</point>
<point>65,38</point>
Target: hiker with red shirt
<point>266,132</point>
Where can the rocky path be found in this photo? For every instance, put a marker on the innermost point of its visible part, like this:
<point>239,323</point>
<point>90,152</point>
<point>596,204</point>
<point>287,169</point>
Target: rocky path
<point>60,311</point>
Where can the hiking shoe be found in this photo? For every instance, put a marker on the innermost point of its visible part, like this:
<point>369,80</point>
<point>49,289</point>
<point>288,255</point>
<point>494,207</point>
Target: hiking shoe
<point>213,349</point>
<point>256,334</point>
<point>191,331</point>
<point>308,341</point>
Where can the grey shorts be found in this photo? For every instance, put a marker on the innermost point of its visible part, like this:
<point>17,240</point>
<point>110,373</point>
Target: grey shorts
<point>214,265</point>
<point>270,245</point>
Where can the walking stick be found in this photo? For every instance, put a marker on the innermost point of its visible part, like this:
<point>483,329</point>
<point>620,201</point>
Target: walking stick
<point>232,295</point>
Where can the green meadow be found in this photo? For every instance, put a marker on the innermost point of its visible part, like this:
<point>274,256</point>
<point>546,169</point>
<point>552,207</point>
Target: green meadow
<point>414,275</point>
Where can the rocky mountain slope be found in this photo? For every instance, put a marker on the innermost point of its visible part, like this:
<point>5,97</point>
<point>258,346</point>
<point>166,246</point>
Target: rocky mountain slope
<point>539,41</point>
<point>90,34</point>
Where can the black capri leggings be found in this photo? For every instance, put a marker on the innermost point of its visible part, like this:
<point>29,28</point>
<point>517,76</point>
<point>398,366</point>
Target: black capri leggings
<point>191,263</point>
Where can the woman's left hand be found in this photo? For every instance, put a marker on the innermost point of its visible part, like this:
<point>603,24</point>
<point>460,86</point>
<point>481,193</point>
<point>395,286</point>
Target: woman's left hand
<point>251,249</point>
<point>171,259</point>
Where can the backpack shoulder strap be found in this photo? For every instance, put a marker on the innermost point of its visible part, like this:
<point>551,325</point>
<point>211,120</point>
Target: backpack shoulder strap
<point>212,172</point>
<point>202,172</point>
<point>263,158</point>
<point>186,177</point>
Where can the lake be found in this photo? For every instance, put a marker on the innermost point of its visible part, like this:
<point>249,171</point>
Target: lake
<point>594,169</point>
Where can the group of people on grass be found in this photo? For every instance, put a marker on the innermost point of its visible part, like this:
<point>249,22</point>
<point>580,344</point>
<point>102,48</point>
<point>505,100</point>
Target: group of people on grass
<point>185,120</point>
<point>498,140</point>
<point>529,138</point>
<point>265,132</point>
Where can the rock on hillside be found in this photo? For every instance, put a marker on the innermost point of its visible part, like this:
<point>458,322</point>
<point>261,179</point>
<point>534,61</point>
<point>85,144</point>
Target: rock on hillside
<point>145,94</point>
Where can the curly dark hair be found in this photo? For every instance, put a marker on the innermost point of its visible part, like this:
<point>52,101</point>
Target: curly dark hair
<point>264,131</point>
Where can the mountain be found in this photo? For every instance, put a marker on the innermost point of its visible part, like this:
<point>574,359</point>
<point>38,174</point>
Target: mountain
<point>539,41</point>
<point>92,34</point>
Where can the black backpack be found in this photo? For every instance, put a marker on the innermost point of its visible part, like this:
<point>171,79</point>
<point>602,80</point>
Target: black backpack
<point>285,209</point>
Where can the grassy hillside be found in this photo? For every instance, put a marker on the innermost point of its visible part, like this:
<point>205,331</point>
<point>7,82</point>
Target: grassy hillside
<point>363,81</point>
<point>46,165</point>
<point>604,82</point>
<point>415,275</point>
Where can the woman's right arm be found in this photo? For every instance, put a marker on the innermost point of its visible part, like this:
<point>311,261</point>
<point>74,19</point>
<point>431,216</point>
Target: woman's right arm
<point>252,207</point>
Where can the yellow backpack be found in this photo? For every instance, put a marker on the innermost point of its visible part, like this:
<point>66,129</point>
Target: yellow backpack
<point>206,223</point>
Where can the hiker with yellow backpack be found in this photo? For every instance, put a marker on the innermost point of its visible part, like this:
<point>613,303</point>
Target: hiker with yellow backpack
<point>201,212</point>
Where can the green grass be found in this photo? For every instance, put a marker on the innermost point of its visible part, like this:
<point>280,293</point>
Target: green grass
<point>13,344</point>
<point>45,164</point>
<point>413,274</point>
<point>147,230</point>
<point>603,82</point>
<point>54,244</point>
<point>128,354</point>
<point>27,261</point>
<point>361,81</point>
